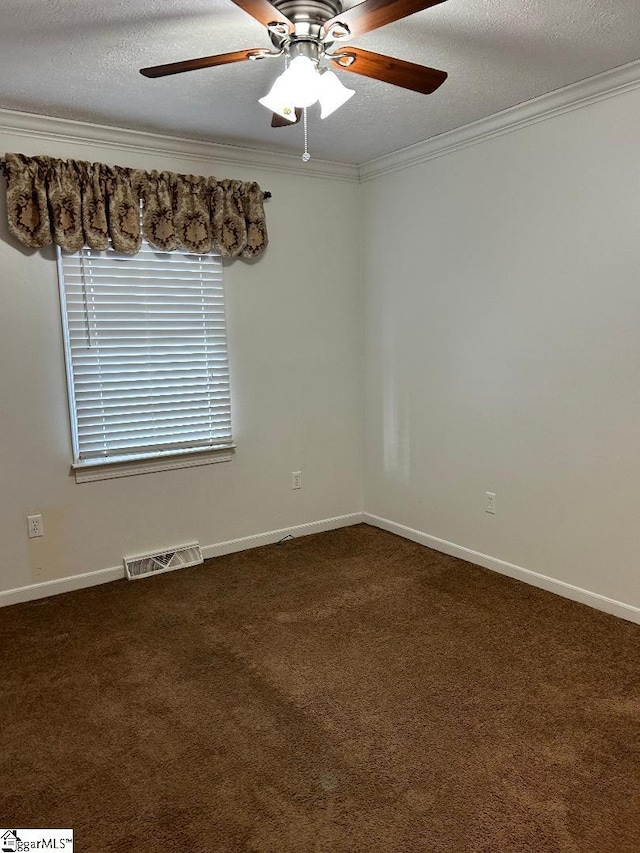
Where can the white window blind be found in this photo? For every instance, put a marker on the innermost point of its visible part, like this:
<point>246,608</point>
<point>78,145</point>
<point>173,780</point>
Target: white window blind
<point>146,351</point>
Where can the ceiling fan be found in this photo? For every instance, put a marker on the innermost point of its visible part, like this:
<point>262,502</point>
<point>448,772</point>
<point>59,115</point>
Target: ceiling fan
<point>309,33</point>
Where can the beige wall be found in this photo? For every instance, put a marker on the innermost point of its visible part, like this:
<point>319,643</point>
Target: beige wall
<point>498,304</point>
<point>294,332</point>
<point>503,347</point>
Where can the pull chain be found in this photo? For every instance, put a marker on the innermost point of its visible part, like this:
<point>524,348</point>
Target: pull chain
<point>306,156</point>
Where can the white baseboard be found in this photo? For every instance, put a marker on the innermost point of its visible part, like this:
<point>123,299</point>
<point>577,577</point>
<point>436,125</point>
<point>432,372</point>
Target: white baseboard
<point>259,539</point>
<point>566,590</point>
<point>55,587</point>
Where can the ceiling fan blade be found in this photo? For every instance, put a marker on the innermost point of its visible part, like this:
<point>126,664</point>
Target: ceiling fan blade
<point>408,75</point>
<point>278,121</point>
<point>264,12</point>
<point>202,62</point>
<point>372,14</point>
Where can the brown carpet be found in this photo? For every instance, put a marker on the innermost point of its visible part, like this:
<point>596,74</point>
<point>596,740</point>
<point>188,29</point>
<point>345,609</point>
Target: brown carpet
<point>339,693</point>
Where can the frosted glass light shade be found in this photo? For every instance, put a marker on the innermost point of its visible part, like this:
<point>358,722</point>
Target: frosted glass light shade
<point>333,93</point>
<point>278,101</point>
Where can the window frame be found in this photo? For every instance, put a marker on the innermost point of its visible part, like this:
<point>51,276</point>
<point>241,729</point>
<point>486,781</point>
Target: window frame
<point>139,463</point>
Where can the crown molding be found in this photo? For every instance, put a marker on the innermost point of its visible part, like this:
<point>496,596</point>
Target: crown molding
<point>609,84</point>
<point>50,128</point>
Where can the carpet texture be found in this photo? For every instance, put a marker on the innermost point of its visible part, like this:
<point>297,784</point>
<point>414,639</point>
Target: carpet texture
<point>347,692</point>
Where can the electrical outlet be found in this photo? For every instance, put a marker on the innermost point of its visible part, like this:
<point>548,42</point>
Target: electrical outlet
<point>35,526</point>
<point>296,479</point>
<point>490,502</point>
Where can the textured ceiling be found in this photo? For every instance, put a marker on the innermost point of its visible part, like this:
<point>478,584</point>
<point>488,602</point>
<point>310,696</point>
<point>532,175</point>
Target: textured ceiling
<point>80,60</point>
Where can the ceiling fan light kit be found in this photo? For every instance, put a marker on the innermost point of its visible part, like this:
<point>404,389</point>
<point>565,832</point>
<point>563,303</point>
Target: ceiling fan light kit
<point>308,34</point>
<point>303,84</point>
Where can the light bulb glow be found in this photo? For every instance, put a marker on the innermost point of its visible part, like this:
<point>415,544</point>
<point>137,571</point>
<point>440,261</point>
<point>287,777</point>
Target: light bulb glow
<point>302,80</point>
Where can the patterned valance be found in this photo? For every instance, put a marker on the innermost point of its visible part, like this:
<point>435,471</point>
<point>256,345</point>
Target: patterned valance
<point>73,204</point>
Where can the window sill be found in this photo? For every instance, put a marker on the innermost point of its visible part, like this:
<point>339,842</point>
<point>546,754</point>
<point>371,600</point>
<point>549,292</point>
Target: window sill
<point>88,472</point>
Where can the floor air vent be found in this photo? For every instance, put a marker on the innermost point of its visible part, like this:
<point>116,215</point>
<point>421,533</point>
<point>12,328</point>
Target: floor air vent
<point>163,561</point>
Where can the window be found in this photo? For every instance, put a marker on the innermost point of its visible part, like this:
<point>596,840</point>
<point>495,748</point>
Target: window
<point>146,354</point>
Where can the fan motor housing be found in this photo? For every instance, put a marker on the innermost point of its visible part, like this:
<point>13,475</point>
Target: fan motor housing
<point>308,11</point>
<point>308,17</point>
